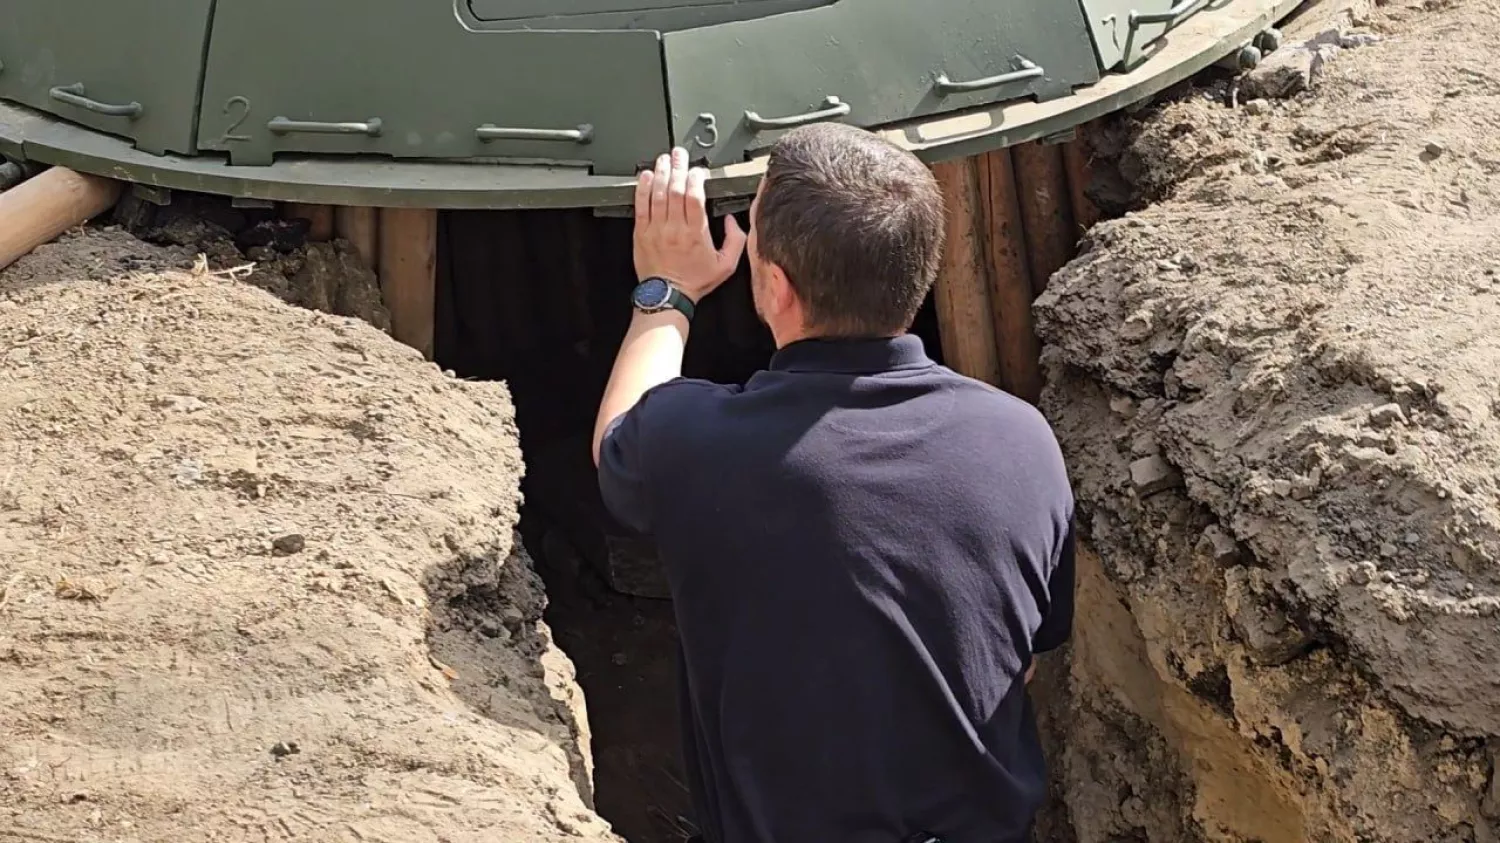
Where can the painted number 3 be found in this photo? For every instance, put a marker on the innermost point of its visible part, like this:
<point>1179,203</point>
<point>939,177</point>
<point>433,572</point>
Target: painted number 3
<point>240,106</point>
<point>709,137</point>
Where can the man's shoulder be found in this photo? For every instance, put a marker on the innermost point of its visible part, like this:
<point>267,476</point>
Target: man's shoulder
<point>681,394</point>
<point>660,406</point>
<point>992,400</point>
<point>664,406</point>
<point>643,437</point>
<point>995,425</point>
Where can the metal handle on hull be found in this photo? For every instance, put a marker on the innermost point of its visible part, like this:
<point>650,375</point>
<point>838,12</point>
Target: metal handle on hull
<point>75,95</point>
<point>285,126</point>
<point>1170,17</point>
<point>489,131</point>
<point>1026,69</point>
<point>830,108</point>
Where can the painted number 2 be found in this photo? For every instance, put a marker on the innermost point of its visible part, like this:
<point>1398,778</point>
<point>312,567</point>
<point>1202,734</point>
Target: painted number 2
<point>231,106</point>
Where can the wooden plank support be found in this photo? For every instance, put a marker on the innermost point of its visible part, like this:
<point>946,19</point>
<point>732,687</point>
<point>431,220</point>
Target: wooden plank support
<point>961,294</point>
<point>361,227</point>
<point>1078,162</point>
<point>1010,280</point>
<point>46,205</point>
<point>319,217</point>
<point>408,274</point>
<point>1042,187</point>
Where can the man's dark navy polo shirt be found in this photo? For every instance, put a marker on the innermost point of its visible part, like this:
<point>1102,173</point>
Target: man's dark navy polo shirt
<point>865,549</point>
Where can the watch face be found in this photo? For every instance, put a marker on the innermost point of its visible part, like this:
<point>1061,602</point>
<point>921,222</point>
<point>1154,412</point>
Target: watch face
<point>651,294</point>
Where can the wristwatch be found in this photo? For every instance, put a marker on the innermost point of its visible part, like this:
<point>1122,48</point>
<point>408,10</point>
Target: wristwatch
<point>654,295</point>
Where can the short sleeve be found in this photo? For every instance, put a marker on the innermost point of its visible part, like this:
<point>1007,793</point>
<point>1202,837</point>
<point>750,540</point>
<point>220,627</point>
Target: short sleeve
<point>1057,626</point>
<point>644,445</point>
<point>622,471</point>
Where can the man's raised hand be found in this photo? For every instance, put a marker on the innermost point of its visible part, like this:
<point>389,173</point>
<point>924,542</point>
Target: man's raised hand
<point>672,239</point>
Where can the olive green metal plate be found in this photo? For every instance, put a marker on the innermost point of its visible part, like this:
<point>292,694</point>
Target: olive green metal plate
<point>1118,43</point>
<point>881,59</point>
<point>137,62</point>
<point>661,15</point>
<point>369,181</point>
<point>409,80</point>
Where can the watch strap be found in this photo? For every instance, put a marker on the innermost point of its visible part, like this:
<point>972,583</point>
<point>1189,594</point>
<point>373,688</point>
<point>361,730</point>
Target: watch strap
<point>682,303</point>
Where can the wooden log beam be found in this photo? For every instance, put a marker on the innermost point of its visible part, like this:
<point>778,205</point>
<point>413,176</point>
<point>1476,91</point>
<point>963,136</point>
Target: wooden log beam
<point>1042,187</point>
<point>962,292</point>
<point>408,274</point>
<point>48,204</point>
<point>1078,161</point>
<point>1010,280</point>
<point>361,227</point>
<point>319,218</point>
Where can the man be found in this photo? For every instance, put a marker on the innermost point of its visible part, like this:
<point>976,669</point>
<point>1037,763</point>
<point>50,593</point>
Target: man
<point>865,549</point>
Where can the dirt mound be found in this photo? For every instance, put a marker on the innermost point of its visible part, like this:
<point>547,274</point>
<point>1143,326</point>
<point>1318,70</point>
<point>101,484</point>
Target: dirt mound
<point>258,577</point>
<point>275,252</point>
<point>1278,390</point>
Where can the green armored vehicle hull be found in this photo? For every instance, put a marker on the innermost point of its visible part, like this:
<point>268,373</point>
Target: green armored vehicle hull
<point>526,103</point>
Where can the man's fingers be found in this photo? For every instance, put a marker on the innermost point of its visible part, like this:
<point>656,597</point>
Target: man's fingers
<point>734,246</point>
<point>660,182</point>
<point>643,197</point>
<point>677,187</point>
<point>672,231</point>
<point>695,203</point>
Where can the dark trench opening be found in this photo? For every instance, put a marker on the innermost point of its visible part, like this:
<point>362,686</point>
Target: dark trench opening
<point>539,299</point>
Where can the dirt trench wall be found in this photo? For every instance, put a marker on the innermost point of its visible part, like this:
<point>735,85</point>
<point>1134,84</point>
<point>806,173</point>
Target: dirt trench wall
<point>258,576</point>
<point>1277,388</point>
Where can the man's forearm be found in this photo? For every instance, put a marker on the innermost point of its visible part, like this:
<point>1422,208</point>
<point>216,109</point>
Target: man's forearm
<point>650,356</point>
<point>672,242</point>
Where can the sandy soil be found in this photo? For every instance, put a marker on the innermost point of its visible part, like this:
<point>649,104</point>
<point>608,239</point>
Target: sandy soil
<point>258,573</point>
<point>1277,386</point>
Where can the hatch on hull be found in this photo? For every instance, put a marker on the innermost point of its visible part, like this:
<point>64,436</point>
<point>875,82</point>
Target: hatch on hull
<point>734,88</point>
<point>1126,32</point>
<point>408,80</point>
<point>129,68</point>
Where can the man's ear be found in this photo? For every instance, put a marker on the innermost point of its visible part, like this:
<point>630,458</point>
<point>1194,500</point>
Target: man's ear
<point>783,295</point>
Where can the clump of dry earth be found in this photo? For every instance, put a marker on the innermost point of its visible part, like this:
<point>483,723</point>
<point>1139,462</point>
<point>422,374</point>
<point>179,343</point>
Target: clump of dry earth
<point>1277,386</point>
<point>258,573</point>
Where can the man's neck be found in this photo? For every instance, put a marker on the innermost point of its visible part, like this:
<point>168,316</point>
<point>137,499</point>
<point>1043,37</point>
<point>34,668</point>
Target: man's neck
<point>785,339</point>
